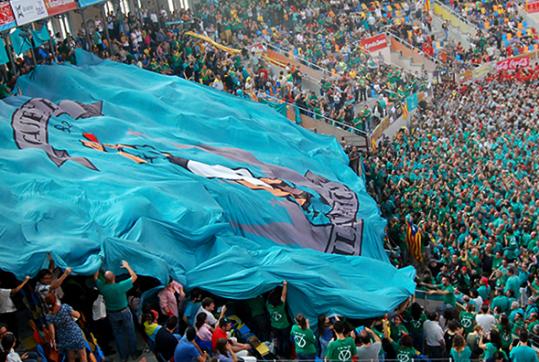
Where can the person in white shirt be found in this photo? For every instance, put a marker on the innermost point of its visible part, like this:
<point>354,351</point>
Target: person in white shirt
<point>208,307</point>
<point>7,307</point>
<point>486,320</point>
<point>370,345</point>
<point>218,83</point>
<point>434,337</point>
<point>8,353</point>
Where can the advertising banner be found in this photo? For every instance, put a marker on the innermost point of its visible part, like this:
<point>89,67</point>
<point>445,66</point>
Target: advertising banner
<point>7,19</point>
<point>374,43</point>
<point>513,63</point>
<point>55,7</point>
<point>532,6</point>
<point>27,11</point>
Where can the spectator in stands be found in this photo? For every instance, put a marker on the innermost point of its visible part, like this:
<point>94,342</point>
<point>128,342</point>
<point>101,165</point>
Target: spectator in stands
<point>434,336</point>
<point>522,352</point>
<point>204,333</point>
<point>187,350</point>
<point>370,345</point>
<point>485,319</point>
<point>304,339</point>
<point>7,350</point>
<point>460,352</point>
<point>492,347</point>
<point>118,312</point>
<point>65,334</point>
<point>280,326</point>
<point>208,307</point>
<point>165,340</point>
<point>170,297</point>
<point>225,352</point>
<point>47,283</point>
<point>221,331</point>
<point>342,348</point>
<point>8,310</point>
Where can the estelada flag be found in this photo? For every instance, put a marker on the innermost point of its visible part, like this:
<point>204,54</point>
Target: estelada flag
<point>413,239</point>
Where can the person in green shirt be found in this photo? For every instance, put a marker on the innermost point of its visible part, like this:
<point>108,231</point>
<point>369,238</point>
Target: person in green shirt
<point>491,348</point>
<point>257,307</point>
<point>460,351</point>
<point>523,352</point>
<point>342,348</point>
<point>500,301</point>
<point>118,313</point>
<point>512,283</point>
<point>280,326</point>
<point>467,318</point>
<point>447,290</point>
<point>304,339</point>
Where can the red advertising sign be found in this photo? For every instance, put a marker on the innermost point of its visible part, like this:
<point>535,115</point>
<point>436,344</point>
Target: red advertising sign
<point>532,6</point>
<point>374,43</point>
<point>55,7</point>
<point>513,63</point>
<point>7,19</point>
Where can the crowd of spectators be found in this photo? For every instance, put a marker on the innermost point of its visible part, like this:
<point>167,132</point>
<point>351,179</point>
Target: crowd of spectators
<point>353,88</point>
<point>466,174</point>
<point>503,31</point>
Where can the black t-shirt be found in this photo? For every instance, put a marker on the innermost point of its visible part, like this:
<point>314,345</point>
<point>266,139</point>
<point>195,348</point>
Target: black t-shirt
<point>165,343</point>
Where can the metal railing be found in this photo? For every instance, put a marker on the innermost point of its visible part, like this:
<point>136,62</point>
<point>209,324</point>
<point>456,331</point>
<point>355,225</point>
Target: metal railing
<point>330,121</point>
<point>285,52</point>
<point>412,47</point>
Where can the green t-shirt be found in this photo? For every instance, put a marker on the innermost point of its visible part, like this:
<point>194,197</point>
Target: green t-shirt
<point>416,326</point>
<point>467,320</point>
<point>462,356</point>
<point>513,283</point>
<point>278,315</point>
<point>450,297</point>
<point>304,340</point>
<point>114,294</point>
<point>406,354</point>
<point>491,350</point>
<point>500,301</point>
<point>342,350</point>
<point>523,354</point>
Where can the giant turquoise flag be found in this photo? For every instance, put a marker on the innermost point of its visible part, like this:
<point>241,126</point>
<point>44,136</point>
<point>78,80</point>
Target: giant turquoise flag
<point>108,161</point>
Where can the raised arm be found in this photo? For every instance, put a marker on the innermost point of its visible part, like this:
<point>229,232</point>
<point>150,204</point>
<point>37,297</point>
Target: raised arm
<point>51,262</point>
<point>285,291</point>
<point>374,335</point>
<point>58,282</point>
<point>20,286</point>
<point>132,274</point>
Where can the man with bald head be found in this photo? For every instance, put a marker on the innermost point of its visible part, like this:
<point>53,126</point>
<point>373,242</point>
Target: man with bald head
<point>118,312</point>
